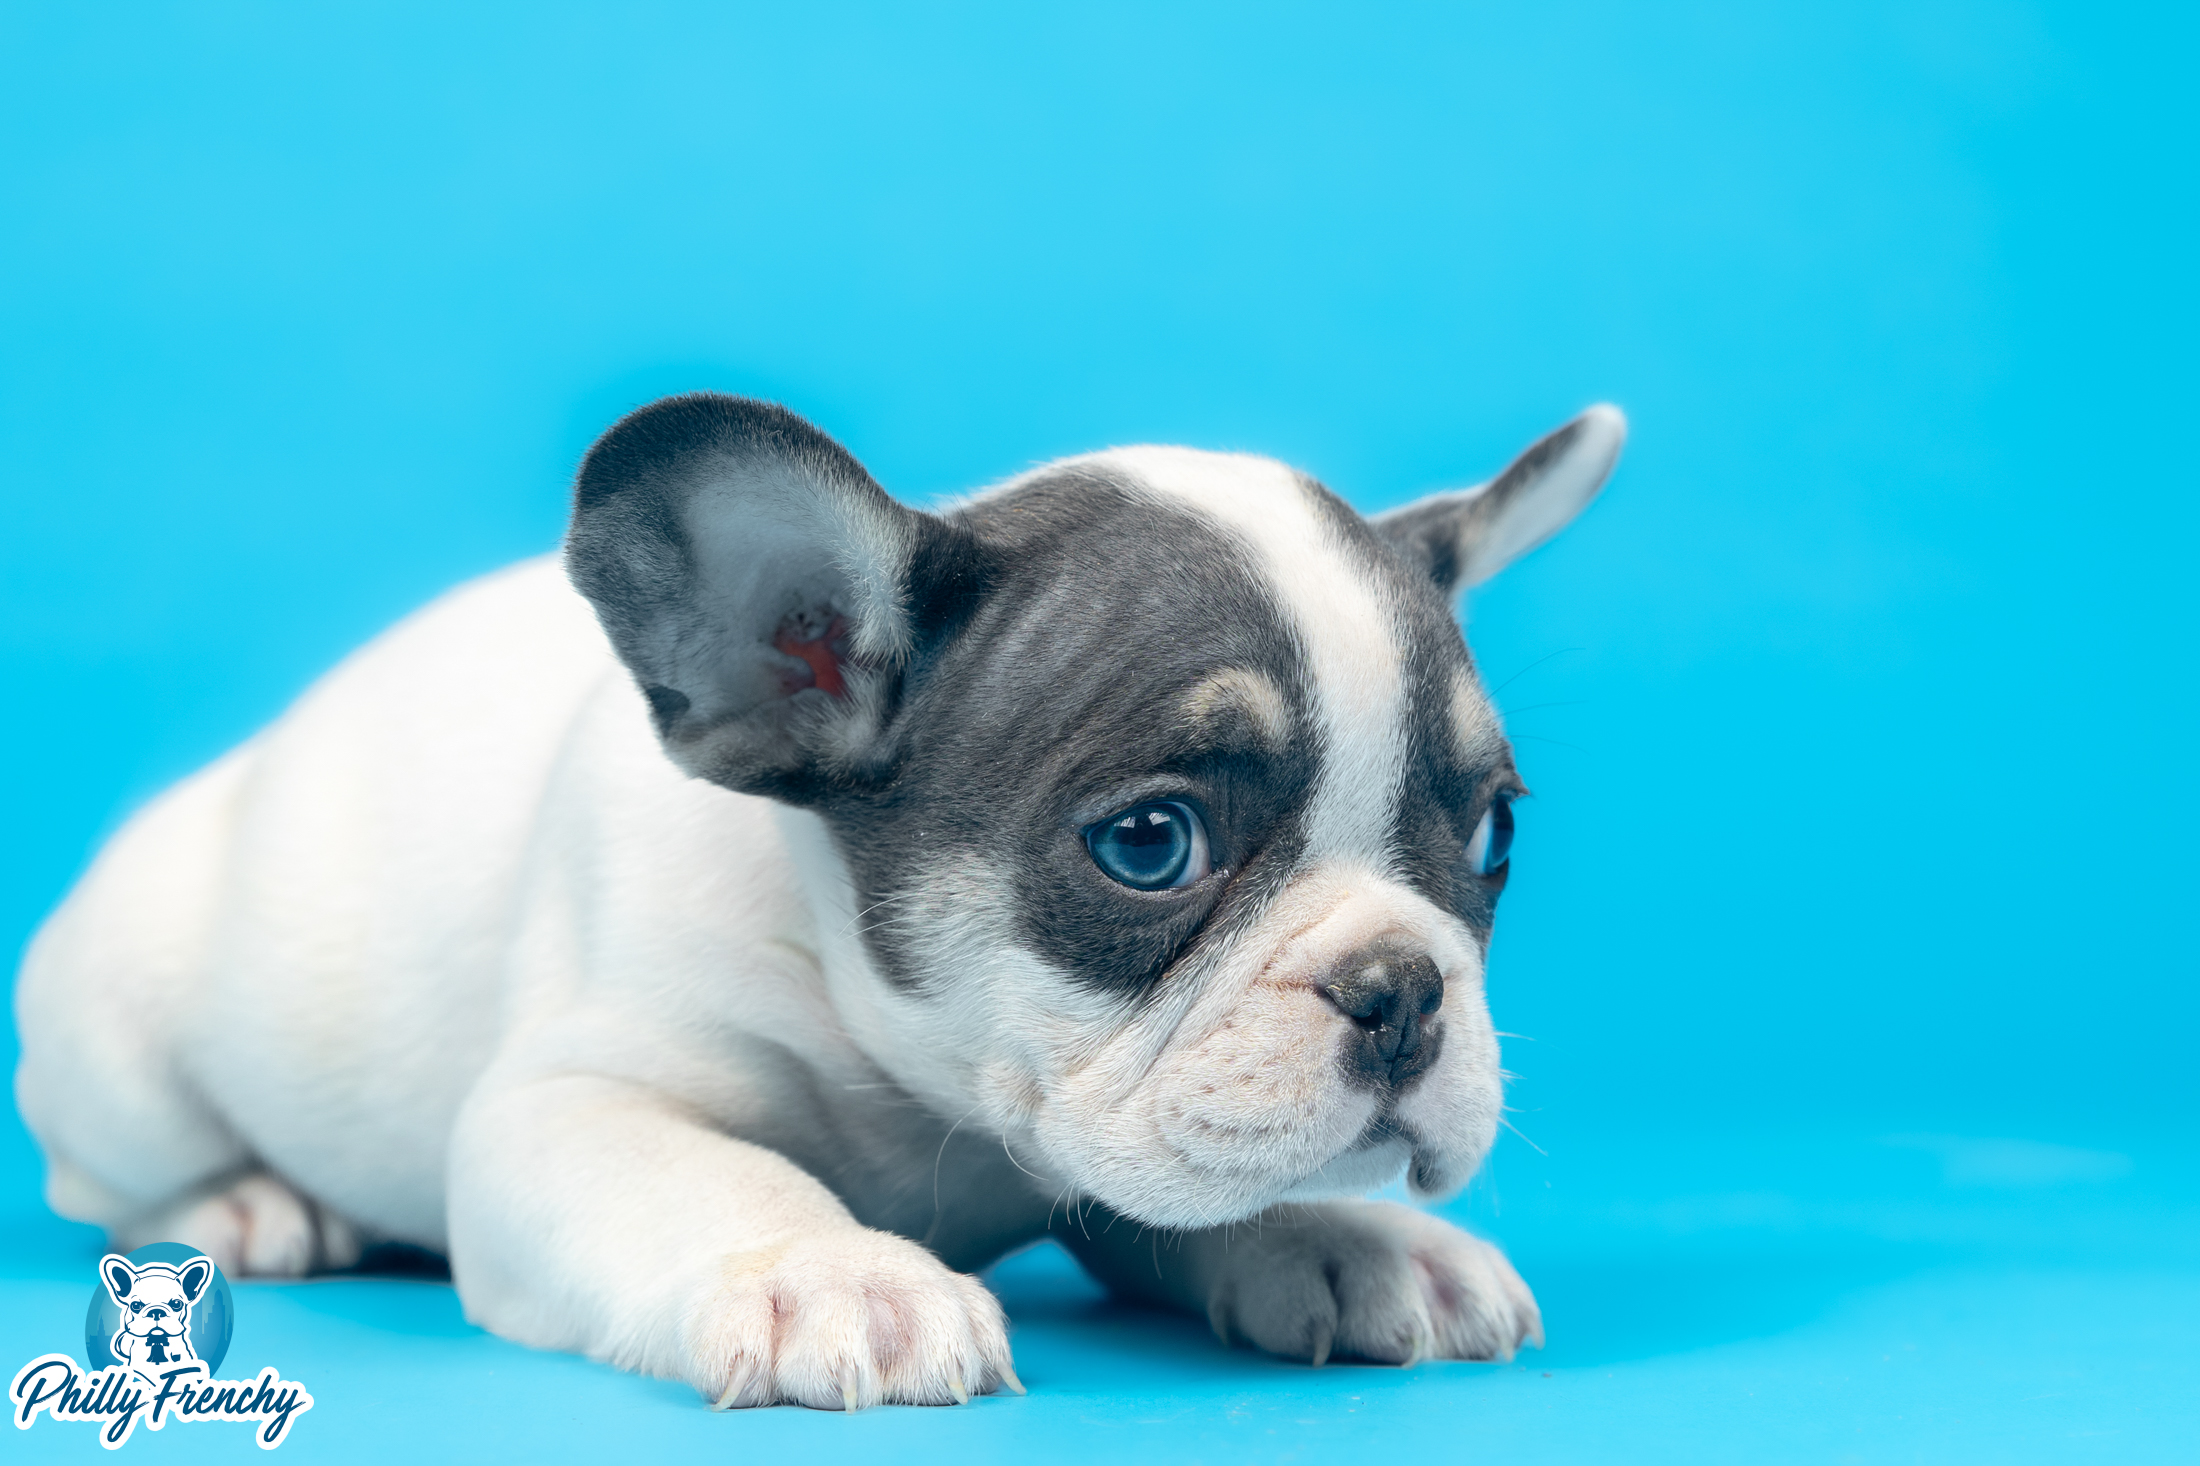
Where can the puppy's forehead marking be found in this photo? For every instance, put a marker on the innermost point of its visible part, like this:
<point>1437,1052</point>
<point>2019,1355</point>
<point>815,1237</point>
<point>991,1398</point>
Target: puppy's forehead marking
<point>1344,627</point>
<point>1250,692</point>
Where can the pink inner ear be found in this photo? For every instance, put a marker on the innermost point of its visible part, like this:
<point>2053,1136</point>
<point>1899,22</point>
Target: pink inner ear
<point>821,654</point>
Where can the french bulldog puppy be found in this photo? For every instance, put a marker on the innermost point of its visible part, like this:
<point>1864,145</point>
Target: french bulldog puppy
<point>721,941</point>
<point>155,1300</point>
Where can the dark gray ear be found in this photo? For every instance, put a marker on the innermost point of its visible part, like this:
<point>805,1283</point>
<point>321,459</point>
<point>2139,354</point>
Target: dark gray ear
<point>763,589</point>
<point>1465,538</point>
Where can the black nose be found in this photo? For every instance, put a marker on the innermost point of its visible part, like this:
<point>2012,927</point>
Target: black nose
<point>156,1313</point>
<point>1388,995</point>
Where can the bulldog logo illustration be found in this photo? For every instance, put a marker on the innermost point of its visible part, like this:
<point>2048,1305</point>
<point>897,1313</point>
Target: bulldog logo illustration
<point>155,1299</point>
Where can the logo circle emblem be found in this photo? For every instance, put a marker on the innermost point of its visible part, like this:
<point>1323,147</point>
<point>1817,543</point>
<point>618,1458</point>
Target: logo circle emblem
<point>212,1316</point>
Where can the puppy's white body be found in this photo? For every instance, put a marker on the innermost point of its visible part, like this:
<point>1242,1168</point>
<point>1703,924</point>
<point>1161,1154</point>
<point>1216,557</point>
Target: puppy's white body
<point>456,952</point>
<point>464,845</point>
<point>338,899</point>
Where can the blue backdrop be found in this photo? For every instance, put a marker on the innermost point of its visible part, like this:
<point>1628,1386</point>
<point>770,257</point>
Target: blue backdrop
<point>1849,937</point>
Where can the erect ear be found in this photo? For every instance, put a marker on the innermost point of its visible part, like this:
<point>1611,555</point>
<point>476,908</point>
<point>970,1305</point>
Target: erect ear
<point>119,1275</point>
<point>193,1277</point>
<point>1465,538</point>
<point>762,588</point>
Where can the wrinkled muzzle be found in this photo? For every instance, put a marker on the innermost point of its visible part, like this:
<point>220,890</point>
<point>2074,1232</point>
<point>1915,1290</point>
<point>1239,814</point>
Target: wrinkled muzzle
<point>1344,1040</point>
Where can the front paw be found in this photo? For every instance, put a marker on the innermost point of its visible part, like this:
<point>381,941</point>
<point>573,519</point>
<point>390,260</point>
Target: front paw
<point>1368,1280</point>
<point>845,1320</point>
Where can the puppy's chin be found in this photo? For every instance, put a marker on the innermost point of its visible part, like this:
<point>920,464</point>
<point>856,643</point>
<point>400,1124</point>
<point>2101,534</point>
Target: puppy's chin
<point>1362,1169</point>
<point>1206,1201</point>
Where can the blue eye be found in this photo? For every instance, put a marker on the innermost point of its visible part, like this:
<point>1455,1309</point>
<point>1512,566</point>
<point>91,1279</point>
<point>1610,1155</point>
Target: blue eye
<point>1150,847</point>
<point>1492,842</point>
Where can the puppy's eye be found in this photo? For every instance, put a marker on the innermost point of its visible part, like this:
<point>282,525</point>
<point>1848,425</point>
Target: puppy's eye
<point>1150,847</point>
<point>1492,842</point>
<point>137,1308</point>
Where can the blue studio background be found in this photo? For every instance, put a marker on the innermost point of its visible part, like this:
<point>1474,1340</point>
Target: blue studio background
<point>1850,932</point>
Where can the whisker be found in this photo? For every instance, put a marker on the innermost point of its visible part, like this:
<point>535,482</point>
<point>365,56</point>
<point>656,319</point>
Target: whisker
<point>1515,1129</point>
<point>942,1156</point>
<point>1539,661</point>
<point>1019,1165</point>
<point>855,921</point>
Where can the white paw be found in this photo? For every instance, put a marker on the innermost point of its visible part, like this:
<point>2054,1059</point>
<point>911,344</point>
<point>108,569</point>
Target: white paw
<point>1368,1280</point>
<point>254,1227</point>
<point>846,1320</point>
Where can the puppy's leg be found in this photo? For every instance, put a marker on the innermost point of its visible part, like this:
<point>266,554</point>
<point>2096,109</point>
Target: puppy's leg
<point>1361,1279</point>
<point>252,1226</point>
<point>595,1215</point>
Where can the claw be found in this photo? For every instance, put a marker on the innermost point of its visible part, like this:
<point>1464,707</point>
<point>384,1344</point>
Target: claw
<point>955,1388</point>
<point>1420,1349</point>
<point>848,1398</point>
<point>1008,1377</point>
<point>737,1387</point>
<point>1322,1343</point>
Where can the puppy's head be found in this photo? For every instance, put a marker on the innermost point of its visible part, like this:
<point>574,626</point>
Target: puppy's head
<point>156,1297</point>
<point>1166,815</point>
